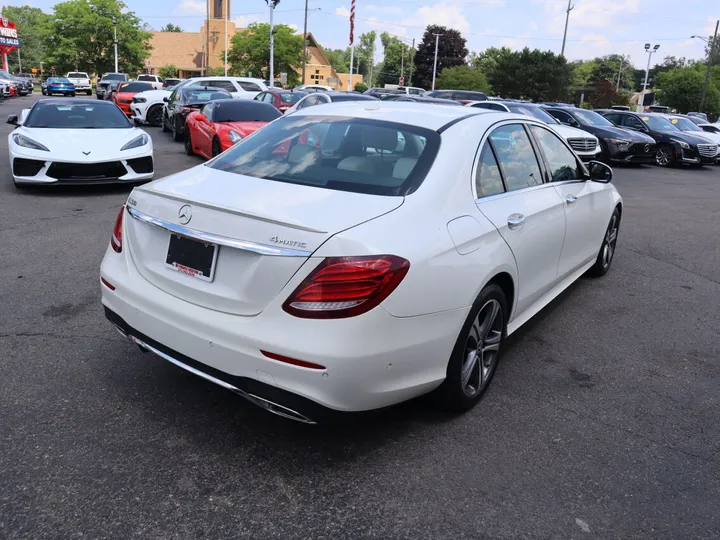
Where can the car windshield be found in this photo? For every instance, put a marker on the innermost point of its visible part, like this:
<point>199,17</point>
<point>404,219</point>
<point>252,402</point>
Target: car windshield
<point>352,97</point>
<point>591,118</point>
<point>292,97</point>
<point>338,153</point>
<point>146,78</point>
<point>684,124</point>
<point>243,110</point>
<point>101,115</point>
<point>197,95</point>
<point>658,123</point>
<point>135,87</point>
<point>114,77</point>
<point>537,112</point>
<point>77,75</point>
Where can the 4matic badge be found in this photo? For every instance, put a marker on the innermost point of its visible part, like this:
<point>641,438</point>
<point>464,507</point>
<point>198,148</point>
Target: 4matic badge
<point>289,243</point>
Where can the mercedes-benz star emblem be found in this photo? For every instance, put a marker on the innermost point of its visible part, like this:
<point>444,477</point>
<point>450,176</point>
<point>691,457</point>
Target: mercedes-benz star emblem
<point>185,214</point>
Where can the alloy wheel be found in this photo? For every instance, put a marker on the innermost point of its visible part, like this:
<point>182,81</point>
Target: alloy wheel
<point>663,156</point>
<point>154,117</point>
<point>608,249</point>
<point>482,348</point>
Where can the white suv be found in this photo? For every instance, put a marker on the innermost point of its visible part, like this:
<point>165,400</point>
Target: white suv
<point>155,81</point>
<point>239,87</point>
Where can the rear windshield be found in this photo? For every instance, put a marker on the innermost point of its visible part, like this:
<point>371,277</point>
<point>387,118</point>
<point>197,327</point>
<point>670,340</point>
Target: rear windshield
<point>77,75</point>
<point>291,97</point>
<point>244,110</point>
<point>81,116</point>
<point>114,77</point>
<point>59,80</point>
<point>147,78</point>
<point>135,87</point>
<point>339,153</point>
<point>196,95</point>
<point>353,97</point>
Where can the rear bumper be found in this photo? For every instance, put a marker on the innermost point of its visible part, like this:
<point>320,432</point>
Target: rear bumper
<point>371,361</point>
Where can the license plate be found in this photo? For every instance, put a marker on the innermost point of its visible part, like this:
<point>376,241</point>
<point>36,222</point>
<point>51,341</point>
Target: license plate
<point>191,257</point>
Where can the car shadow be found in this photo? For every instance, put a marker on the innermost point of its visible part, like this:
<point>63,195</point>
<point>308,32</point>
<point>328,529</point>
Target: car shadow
<point>75,190</point>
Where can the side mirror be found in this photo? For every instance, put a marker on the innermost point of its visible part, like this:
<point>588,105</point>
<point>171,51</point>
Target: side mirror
<point>599,172</point>
<point>166,99</point>
<point>12,119</point>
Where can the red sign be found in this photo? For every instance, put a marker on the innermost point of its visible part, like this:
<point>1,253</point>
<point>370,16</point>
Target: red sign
<point>8,36</point>
<point>401,82</point>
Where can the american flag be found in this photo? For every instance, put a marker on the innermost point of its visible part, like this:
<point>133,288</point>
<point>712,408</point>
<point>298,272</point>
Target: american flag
<point>352,22</point>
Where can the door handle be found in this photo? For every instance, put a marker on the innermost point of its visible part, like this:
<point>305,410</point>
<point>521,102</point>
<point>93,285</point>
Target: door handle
<point>571,199</point>
<point>515,221</point>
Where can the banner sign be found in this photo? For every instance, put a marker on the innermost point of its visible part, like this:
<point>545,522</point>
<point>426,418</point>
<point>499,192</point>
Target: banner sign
<point>9,40</point>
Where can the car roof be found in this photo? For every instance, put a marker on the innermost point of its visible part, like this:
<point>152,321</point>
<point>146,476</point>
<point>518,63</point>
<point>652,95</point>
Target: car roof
<point>76,101</point>
<point>402,112</point>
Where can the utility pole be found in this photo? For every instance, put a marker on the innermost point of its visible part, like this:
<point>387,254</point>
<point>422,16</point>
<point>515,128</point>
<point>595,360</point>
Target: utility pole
<point>304,43</point>
<point>412,63</point>
<point>647,74</point>
<point>567,19</point>
<point>711,49</point>
<point>115,43</point>
<point>20,63</point>
<point>272,4</point>
<point>622,61</point>
<point>206,56</point>
<point>437,41</point>
<point>226,2</point>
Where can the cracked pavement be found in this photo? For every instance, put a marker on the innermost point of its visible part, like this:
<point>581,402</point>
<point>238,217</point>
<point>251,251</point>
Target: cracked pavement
<point>602,421</point>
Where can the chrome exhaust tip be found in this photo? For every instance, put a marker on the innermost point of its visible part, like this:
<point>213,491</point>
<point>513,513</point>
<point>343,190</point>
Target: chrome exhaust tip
<point>277,409</point>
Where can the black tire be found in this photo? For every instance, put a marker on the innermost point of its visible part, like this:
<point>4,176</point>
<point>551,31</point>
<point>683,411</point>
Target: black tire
<point>664,156</point>
<point>188,144</point>
<point>605,154</point>
<point>154,116</point>
<point>177,134</point>
<point>607,248</point>
<point>165,127</point>
<point>454,393</point>
<point>216,148</point>
<point>88,92</point>
<point>72,95</point>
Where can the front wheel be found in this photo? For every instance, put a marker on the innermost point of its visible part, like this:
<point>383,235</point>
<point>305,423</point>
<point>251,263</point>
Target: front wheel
<point>216,149</point>
<point>188,144</point>
<point>72,94</point>
<point>176,133</point>
<point>154,116</point>
<point>607,249</point>
<point>664,155</point>
<point>477,351</point>
<point>88,92</point>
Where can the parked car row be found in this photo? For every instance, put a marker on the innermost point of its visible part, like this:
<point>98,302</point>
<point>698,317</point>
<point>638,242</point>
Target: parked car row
<point>11,85</point>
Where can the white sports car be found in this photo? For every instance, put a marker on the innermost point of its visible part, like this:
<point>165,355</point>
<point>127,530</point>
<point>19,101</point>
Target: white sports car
<point>82,141</point>
<point>352,256</point>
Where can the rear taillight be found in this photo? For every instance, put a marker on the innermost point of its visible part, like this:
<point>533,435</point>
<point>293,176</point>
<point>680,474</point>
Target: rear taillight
<point>343,287</point>
<point>116,239</point>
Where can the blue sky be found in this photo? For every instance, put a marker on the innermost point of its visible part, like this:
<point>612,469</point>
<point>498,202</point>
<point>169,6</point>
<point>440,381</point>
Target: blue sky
<point>597,27</point>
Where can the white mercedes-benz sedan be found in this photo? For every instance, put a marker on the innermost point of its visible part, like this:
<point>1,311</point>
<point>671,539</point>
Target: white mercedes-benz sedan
<point>356,255</point>
<point>79,141</point>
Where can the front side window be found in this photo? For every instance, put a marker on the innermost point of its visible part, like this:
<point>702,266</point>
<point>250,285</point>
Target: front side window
<point>632,122</point>
<point>208,111</point>
<point>487,178</point>
<point>562,117</point>
<point>614,118</point>
<point>562,162</point>
<point>516,156</point>
<point>338,153</point>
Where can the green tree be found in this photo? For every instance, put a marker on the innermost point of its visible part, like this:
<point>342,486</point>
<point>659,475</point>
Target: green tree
<point>250,51</point>
<point>681,88</point>
<point>170,70</point>
<point>607,67</point>
<point>339,60</point>
<point>536,75</point>
<point>397,57</point>
<point>171,28</point>
<point>451,52</point>
<point>360,87</point>
<point>462,78</point>
<point>32,28</point>
<point>486,61</point>
<point>80,36</point>
<point>581,72</point>
<point>604,96</point>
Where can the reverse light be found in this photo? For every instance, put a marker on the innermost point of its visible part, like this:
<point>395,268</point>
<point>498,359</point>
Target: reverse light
<point>342,287</point>
<point>116,238</point>
<point>234,136</point>
<point>26,142</point>
<point>137,142</point>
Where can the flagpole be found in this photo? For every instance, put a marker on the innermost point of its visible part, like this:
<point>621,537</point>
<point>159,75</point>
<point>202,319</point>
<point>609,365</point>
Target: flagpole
<point>226,34</point>
<point>352,42</point>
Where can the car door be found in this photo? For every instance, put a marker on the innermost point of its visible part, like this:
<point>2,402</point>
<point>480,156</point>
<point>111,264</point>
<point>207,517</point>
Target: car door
<point>587,204</point>
<point>205,131</point>
<point>528,213</point>
<point>172,105</point>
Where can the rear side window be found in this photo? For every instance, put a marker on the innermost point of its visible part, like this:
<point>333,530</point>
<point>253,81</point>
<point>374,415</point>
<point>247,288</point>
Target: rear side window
<point>487,179</point>
<point>339,153</point>
<point>225,85</point>
<point>562,162</point>
<point>516,156</point>
<point>249,86</point>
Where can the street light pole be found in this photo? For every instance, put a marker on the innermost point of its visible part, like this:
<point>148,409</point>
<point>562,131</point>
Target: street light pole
<point>412,63</point>
<point>272,4</point>
<point>707,73</point>
<point>567,20</point>
<point>115,43</point>
<point>437,41</point>
<point>622,61</point>
<point>226,34</point>
<point>650,52</point>
<point>304,43</point>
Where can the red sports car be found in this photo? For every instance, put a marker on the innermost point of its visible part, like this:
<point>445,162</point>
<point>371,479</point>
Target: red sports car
<point>282,100</point>
<point>224,122</point>
<point>124,95</point>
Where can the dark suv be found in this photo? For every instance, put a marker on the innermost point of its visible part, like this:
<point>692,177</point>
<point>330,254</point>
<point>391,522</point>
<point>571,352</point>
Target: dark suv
<point>618,144</point>
<point>673,145</point>
<point>182,102</point>
<point>102,85</point>
<point>463,96</point>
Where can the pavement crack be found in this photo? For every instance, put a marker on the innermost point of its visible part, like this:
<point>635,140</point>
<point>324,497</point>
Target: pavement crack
<point>673,264</point>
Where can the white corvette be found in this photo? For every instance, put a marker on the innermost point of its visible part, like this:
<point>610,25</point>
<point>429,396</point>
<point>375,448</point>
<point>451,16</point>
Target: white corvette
<point>352,256</point>
<point>82,141</point>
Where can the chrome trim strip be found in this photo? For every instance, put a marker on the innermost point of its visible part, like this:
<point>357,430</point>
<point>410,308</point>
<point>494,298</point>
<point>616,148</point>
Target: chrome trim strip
<point>211,238</point>
<point>269,406</point>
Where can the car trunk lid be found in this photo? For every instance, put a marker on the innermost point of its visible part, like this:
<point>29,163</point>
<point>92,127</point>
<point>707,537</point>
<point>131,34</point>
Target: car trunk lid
<point>264,230</point>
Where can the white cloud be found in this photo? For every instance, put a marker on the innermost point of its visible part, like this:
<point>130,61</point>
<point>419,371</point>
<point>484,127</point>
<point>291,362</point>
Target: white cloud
<point>342,11</point>
<point>191,7</point>
<point>244,20</point>
<point>294,27</point>
<point>387,10</point>
<point>515,43</point>
<point>589,13</point>
<point>441,14</point>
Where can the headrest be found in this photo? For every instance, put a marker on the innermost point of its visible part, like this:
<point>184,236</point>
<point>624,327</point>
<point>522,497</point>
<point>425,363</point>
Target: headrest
<point>379,138</point>
<point>357,164</point>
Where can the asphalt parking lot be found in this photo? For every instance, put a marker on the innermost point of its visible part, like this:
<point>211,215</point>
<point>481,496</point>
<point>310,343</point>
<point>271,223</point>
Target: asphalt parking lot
<point>602,421</point>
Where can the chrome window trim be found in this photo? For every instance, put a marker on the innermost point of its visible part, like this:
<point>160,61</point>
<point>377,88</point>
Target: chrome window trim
<point>217,239</point>
<point>544,185</point>
<point>579,161</point>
